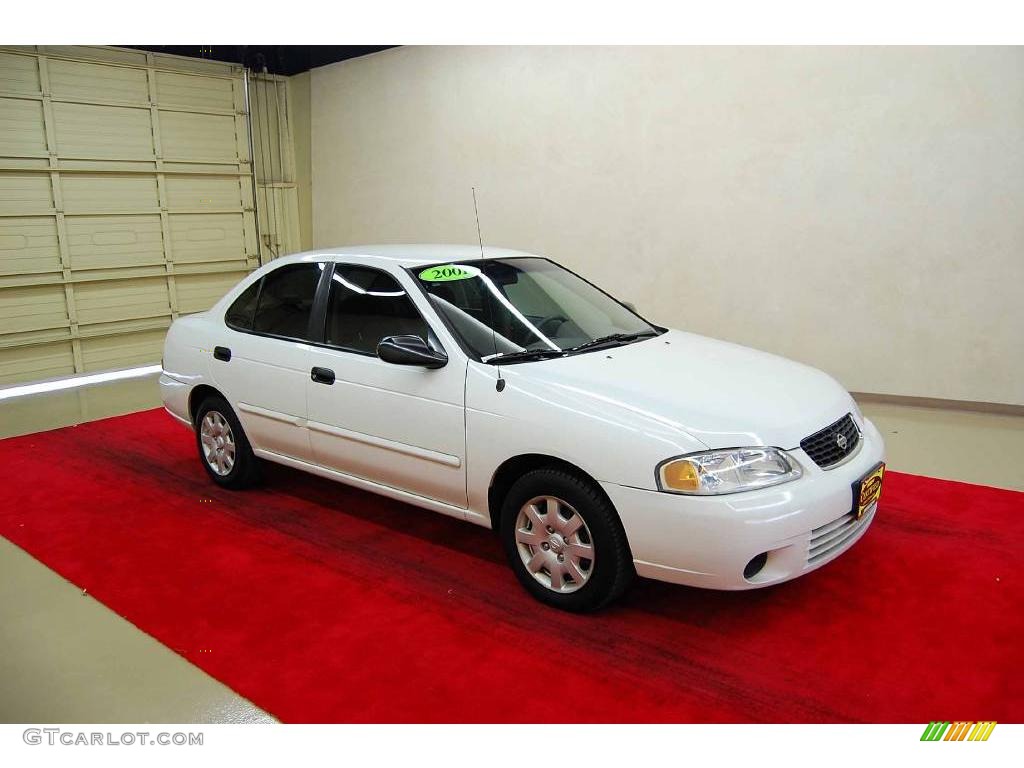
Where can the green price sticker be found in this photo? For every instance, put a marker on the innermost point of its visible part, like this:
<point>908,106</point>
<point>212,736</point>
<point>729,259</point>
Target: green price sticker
<point>448,272</point>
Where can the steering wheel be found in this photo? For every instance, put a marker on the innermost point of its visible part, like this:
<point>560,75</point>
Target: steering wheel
<point>542,326</point>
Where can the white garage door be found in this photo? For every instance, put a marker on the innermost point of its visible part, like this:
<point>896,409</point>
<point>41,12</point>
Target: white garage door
<point>126,199</point>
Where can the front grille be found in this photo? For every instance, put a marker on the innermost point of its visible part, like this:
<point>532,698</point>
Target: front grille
<point>832,444</point>
<point>829,538</point>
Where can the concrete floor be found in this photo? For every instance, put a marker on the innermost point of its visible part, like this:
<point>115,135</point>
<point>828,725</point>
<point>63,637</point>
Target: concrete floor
<point>981,448</point>
<point>66,658</point>
<point>69,659</point>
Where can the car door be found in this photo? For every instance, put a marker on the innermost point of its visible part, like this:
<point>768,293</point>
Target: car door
<point>398,425</point>
<point>261,364</point>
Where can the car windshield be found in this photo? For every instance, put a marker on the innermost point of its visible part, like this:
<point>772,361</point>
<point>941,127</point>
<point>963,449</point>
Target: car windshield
<point>527,308</point>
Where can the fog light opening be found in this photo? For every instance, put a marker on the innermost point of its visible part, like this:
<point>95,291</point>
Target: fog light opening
<point>755,565</point>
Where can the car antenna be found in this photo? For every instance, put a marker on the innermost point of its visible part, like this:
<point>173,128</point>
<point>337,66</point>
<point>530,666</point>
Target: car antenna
<point>500,384</point>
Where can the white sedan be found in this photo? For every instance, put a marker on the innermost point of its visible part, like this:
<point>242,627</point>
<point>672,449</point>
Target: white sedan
<point>503,389</point>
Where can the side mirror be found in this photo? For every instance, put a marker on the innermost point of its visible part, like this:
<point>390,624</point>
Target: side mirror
<point>629,305</point>
<point>410,350</point>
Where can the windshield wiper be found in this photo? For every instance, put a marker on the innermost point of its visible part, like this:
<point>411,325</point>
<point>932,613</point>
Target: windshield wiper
<point>524,355</point>
<point>612,340</point>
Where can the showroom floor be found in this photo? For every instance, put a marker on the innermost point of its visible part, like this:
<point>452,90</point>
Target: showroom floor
<point>71,659</point>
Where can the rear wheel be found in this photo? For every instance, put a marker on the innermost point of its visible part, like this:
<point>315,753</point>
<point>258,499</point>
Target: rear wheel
<point>564,541</point>
<point>224,449</point>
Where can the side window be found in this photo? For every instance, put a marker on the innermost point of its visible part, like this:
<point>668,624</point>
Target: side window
<point>367,305</point>
<point>239,314</point>
<point>286,301</point>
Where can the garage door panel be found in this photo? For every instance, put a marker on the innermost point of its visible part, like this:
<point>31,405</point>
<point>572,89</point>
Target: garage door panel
<point>198,192</point>
<point>109,192</point>
<point>114,241</point>
<point>25,193</point>
<point>40,361</point>
<point>33,308</point>
<point>21,127</point>
<point>196,91</point>
<point>89,130</point>
<point>109,301</point>
<point>25,163</point>
<point>94,53</point>
<point>217,168</point>
<point>123,350</point>
<point>207,237</point>
<point>19,74</point>
<point>197,293</point>
<point>108,165</point>
<point>115,219</point>
<point>185,134</point>
<point>28,245</point>
<point>97,82</point>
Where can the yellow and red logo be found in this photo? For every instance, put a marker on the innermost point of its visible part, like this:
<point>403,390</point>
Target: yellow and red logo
<point>958,731</point>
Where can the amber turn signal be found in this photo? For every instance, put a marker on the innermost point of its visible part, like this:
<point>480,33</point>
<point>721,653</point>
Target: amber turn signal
<point>680,475</point>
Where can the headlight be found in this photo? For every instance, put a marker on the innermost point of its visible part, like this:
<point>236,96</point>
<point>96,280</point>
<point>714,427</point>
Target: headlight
<point>727,471</point>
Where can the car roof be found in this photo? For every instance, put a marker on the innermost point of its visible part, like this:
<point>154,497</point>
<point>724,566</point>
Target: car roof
<point>411,255</point>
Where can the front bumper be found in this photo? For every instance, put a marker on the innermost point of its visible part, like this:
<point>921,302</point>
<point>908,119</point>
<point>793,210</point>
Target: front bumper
<point>707,541</point>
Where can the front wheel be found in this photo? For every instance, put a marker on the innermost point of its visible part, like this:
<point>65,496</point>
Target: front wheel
<point>564,541</point>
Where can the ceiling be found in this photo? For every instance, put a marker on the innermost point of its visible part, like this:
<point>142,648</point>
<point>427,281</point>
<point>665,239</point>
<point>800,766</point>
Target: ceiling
<point>278,59</point>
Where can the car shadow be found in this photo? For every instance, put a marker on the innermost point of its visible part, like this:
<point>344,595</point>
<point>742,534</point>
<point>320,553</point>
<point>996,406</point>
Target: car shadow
<point>686,604</point>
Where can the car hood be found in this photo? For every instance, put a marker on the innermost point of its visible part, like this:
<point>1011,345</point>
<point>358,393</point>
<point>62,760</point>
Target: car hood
<point>722,394</point>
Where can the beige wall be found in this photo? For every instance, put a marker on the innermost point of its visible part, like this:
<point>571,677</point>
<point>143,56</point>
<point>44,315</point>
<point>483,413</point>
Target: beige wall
<point>859,209</point>
<point>298,102</point>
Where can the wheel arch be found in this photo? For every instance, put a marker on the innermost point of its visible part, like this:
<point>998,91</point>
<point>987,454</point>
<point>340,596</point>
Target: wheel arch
<point>196,397</point>
<point>515,467</point>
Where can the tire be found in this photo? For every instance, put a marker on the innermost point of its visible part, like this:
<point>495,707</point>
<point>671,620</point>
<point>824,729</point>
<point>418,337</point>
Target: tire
<point>534,541</point>
<point>235,469</point>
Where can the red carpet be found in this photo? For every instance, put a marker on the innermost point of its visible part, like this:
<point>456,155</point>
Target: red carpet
<point>323,603</point>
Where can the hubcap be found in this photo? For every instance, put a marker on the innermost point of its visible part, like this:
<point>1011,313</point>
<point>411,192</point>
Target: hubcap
<point>555,544</point>
<point>218,442</point>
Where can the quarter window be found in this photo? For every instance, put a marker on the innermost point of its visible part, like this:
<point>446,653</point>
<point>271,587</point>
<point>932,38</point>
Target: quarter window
<point>367,305</point>
<point>239,314</point>
<point>286,301</point>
